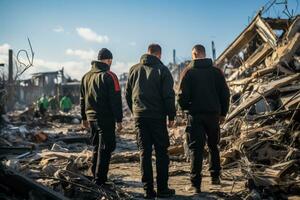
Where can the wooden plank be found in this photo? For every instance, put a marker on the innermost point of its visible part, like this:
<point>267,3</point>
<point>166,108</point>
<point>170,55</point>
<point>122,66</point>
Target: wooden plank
<point>176,150</point>
<point>23,186</point>
<point>290,88</point>
<point>74,139</point>
<point>48,154</point>
<point>14,150</point>
<point>256,58</point>
<point>265,90</point>
<point>240,81</point>
<point>246,36</point>
<point>290,101</point>
<point>264,71</point>
<point>282,54</point>
<point>278,24</point>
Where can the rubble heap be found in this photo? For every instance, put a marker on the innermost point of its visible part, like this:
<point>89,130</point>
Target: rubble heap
<point>261,132</point>
<point>48,157</point>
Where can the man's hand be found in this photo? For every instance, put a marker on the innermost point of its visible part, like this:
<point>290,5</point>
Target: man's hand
<point>85,124</point>
<point>221,119</point>
<point>119,126</point>
<point>171,123</point>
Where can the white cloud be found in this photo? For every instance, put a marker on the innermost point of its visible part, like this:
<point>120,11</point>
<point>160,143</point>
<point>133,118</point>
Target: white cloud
<point>76,69</point>
<point>3,58</point>
<point>4,48</point>
<point>82,54</point>
<point>71,68</point>
<point>4,52</point>
<point>132,43</point>
<point>119,67</point>
<point>89,35</point>
<point>59,29</point>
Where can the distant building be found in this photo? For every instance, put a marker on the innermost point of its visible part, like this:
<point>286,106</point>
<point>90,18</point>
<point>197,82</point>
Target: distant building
<point>176,70</point>
<point>123,80</point>
<point>48,83</point>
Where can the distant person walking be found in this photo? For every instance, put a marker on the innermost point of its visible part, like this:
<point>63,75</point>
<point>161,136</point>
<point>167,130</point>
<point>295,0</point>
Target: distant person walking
<point>43,105</point>
<point>65,104</point>
<point>101,108</point>
<point>53,104</point>
<point>205,95</point>
<point>150,97</point>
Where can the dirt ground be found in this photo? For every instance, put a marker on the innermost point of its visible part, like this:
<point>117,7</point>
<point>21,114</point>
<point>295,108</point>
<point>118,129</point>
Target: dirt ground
<point>127,176</point>
<point>125,173</point>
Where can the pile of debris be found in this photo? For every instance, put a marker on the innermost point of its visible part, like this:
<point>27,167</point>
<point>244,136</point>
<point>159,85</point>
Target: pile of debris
<point>48,159</point>
<point>262,131</point>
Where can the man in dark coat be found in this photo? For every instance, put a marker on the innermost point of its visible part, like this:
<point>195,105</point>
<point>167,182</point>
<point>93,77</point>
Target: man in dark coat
<point>101,109</point>
<point>150,97</point>
<point>205,95</point>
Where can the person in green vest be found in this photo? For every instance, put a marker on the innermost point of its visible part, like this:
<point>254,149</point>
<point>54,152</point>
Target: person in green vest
<point>65,104</point>
<point>43,104</point>
<point>53,104</point>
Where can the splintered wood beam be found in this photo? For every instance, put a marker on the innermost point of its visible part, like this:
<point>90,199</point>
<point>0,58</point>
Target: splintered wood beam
<point>265,90</point>
<point>25,187</point>
<point>257,26</point>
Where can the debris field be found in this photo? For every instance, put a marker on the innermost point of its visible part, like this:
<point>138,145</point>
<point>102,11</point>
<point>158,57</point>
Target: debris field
<point>50,157</point>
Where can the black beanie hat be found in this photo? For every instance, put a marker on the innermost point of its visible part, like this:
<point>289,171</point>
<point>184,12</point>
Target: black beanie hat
<point>104,53</point>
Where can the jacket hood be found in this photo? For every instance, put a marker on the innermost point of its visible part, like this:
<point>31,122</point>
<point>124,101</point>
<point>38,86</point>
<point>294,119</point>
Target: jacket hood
<point>202,63</point>
<point>98,66</point>
<point>150,60</point>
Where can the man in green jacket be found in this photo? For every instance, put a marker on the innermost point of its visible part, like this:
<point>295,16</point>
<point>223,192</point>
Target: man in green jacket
<point>53,104</point>
<point>43,104</point>
<point>65,104</point>
<point>150,97</point>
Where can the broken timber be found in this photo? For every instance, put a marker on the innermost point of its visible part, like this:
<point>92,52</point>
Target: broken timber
<point>25,187</point>
<point>265,91</point>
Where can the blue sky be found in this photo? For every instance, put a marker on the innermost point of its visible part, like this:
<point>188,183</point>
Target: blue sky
<point>69,33</point>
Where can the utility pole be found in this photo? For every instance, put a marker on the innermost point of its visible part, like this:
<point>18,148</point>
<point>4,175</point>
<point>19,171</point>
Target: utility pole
<point>10,67</point>
<point>177,67</point>
<point>61,92</point>
<point>213,48</point>
<point>10,82</point>
<point>174,57</point>
<point>2,84</point>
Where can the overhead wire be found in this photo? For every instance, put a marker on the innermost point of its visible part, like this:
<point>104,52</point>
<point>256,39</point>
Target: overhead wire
<point>29,60</point>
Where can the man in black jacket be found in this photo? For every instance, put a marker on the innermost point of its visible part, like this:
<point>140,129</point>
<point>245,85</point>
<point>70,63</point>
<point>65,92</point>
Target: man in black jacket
<point>150,97</point>
<point>205,95</point>
<point>101,108</point>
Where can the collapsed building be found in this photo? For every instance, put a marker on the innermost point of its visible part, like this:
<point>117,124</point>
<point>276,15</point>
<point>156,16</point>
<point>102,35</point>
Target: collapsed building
<point>16,92</point>
<point>52,83</point>
<point>261,132</point>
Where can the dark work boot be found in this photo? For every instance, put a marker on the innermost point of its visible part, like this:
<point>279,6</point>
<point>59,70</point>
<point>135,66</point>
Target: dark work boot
<point>165,193</point>
<point>215,180</point>
<point>149,194</point>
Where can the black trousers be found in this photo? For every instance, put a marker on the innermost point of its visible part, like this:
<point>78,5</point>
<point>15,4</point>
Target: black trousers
<point>202,128</point>
<point>105,127</point>
<point>153,132</point>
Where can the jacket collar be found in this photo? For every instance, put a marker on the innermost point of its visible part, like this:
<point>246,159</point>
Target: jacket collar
<point>98,66</point>
<point>202,63</point>
<point>150,60</point>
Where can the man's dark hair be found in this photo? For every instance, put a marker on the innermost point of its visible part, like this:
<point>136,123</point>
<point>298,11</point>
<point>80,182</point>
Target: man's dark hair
<point>199,49</point>
<point>154,49</point>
